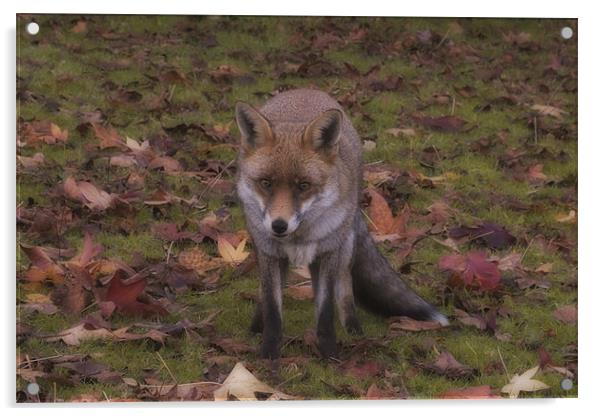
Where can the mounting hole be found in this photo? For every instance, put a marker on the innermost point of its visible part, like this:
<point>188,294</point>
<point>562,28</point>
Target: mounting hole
<point>566,32</point>
<point>33,388</point>
<point>32,28</point>
<point>566,384</point>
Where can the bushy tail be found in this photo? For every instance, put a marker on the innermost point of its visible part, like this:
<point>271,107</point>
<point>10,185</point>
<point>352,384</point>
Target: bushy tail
<point>377,287</point>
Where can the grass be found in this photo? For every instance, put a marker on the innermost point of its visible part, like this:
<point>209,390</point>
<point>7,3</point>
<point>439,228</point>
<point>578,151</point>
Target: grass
<point>130,53</point>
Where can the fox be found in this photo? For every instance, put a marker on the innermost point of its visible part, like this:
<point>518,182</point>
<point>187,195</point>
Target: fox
<point>299,181</point>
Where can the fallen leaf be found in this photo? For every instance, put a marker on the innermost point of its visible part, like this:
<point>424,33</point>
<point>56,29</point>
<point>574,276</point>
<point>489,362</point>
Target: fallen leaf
<point>229,253</point>
<point>108,136</point>
<point>476,392</point>
<point>569,218</point>
<point>43,132</point>
<point>381,218</point>
<point>548,110</point>
<point>403,323</point>
<point>376,393</point>
<point>125,296</point>
<point>242,385</point>
<point>300,292</point>
<point>470,320</point>
<point>80,332</point>
<point>197,260</point>
<point>524,382</point>
<point>32,162</point>
<point>446,365</point>
<point>566,314</point>
<point>473,270</point>
<point>448,124</point>
<point>492,235</point>
<point>88,194</point>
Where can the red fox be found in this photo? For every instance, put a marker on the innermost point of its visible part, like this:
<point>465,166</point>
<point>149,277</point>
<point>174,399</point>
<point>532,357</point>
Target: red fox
<point>299,181</point>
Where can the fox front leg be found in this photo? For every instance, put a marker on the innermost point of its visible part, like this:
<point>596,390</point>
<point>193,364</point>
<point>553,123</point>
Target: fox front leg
<point>323,270</point>
<point>343,293</point>
<point>273,274</point>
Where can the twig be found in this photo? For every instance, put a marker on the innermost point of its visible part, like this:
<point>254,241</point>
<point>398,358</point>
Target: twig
<point>369,219</point>
<point>89,306</point>
<point>217,178</point>
<point>28,363</point>
<point>443,39</point>
<point>453,109</point>
<point>535,128</point>
<point>525,252</point>
<point>166,367</point>
<point>106,397</point>
<point>289,379</point>
<point>503,363</point>
<point>480,235</point>
<point>169,252</point>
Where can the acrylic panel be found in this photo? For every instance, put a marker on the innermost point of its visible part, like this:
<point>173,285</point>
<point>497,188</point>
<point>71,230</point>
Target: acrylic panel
<point>195,222</point>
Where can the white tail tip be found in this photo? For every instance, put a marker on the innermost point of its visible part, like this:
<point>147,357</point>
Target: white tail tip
<point>439,317</point>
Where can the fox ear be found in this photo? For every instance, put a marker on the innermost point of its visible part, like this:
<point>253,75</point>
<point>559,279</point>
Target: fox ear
<point>323,133</point>
<point>255,129</point>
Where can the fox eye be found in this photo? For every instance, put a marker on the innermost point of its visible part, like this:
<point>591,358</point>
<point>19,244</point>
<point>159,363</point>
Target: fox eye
<point>265,183</point>
<point>304,186</point>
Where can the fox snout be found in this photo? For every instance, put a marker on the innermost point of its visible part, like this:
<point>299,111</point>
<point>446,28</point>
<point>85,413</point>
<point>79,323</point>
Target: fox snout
<point>279,226</point>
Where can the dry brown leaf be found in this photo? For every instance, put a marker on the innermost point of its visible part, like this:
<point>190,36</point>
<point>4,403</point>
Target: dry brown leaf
<point>242,385</point>
<point>548,110</point>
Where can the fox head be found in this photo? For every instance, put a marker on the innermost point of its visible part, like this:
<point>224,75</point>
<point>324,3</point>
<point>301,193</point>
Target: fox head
<point>288,169</point>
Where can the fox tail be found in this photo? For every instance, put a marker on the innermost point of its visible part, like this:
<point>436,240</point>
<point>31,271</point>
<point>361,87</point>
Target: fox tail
<point>377,287</point>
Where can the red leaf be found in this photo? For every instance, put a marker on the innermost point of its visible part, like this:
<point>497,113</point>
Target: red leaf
<point>448,124</point>
<point>125,296</point>
<point>477,392</point>
<point>566,314</point>
<point>474,269</point>
<point>486,273</point>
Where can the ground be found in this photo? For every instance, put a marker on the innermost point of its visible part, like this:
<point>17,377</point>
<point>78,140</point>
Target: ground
<point>476,116</point>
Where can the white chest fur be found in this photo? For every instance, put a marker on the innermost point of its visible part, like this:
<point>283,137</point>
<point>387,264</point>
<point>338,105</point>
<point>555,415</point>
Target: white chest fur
<point>300,254</point>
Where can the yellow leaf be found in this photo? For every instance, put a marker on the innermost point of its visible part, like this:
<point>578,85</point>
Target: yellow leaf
<point>524,382</point>
<point>229,253</point>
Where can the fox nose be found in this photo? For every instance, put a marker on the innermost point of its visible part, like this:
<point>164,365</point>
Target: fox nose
<point>279,226</point>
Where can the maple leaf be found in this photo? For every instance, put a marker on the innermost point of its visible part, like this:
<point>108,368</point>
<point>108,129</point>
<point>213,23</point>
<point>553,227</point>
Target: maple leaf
<point>492,235</point>
<point>449,124</point>
<point>32,162</point>
<point>566,314</point>
<point>80,332</point>
<point>403,323</point>
<point>168,164</point>
<point>476,392</point>
<point>381,218</point>
<point>108,136</point>
<point>446,365</point>
<point>88,252</point>
<point>376,393</point>
<point>88,194</point>
<point>524,382</point>
<point>474,269</point>
<point>229,253</point>
<point>548,110</point>
<point>42,266</point>
<point>43,132</point>
<point>125,296</point>
<point>299,292</point>
<point>242,385</point>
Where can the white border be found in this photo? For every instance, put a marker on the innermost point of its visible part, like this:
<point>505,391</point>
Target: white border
<point>590,97</point>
